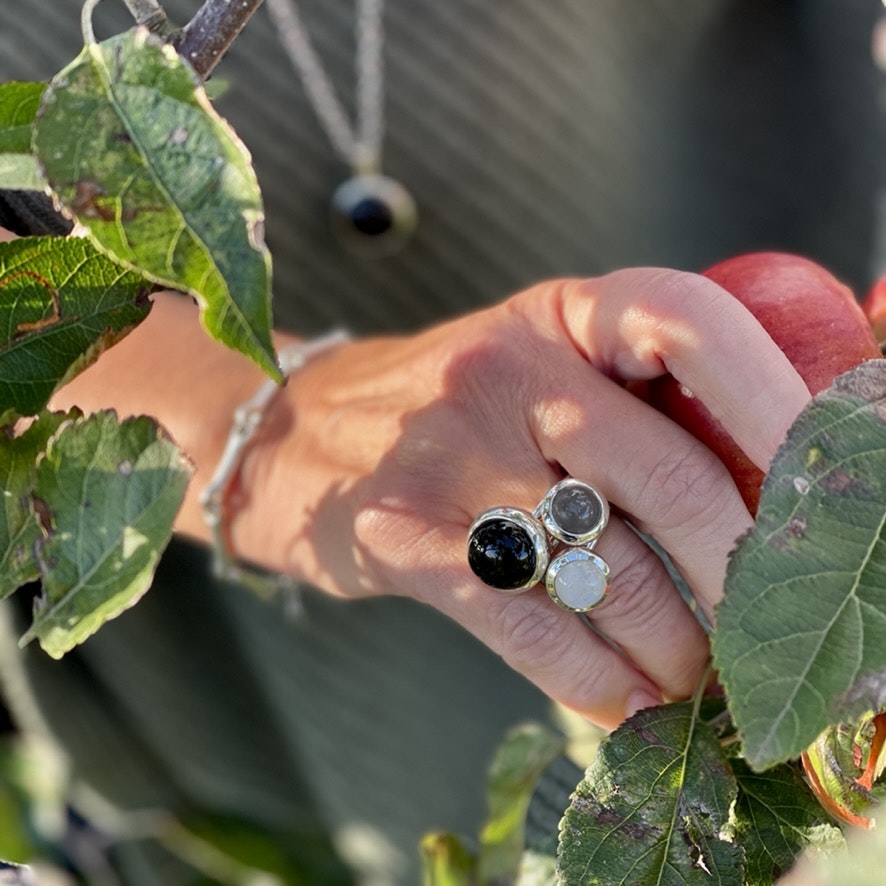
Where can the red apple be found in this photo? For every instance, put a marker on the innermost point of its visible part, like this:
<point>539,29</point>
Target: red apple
<point>874,307</point>
<point>809,314</point>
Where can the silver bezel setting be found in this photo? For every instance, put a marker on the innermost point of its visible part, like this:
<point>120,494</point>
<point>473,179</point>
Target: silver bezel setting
<point>572,556</point>
<point>536,533</point>
<point>544,513</point>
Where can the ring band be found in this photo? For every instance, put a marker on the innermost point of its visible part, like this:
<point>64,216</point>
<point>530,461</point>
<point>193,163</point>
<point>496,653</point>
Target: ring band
<point>511,550</point>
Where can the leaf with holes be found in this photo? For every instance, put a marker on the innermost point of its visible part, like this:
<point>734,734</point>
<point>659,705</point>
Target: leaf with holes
<point>653,807</point>
<point>801,633</point>
<point>132,148</point>
<point>108,492</point>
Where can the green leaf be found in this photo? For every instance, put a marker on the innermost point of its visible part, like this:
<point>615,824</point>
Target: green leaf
<point>653,807</point>
<point>19,172</point>
<point>519,762</point>
<point>801,633</point>
<point>775,819</point>
<point>109,492</point>
<point>843,766</point>
<point>19,524</point>
<point>516,769</point>
<point>446,861</point>
<point>132,148</point>
<point>61,304</point>
<point>18,107</point>
<point>228,849</point>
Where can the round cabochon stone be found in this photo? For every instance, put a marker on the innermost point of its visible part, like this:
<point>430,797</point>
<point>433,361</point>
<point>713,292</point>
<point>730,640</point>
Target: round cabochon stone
<point>502,554</point>
<point>580,584</point>
<point>576,510</point>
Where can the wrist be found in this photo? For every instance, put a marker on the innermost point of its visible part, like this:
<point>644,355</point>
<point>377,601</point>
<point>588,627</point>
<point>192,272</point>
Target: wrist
<point>246,516</point>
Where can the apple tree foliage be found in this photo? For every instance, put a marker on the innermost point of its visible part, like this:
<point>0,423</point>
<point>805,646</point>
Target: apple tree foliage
<point>728,788</point>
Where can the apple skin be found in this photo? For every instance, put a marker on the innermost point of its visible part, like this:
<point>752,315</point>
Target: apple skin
<point>874,307</point>
<point>810,315</point>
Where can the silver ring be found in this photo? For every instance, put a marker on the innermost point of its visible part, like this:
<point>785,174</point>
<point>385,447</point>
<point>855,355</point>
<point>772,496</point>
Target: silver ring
<point>511,550</point>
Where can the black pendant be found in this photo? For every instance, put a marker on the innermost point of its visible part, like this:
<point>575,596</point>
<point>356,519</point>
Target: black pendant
<point>373,215</point>
<point>503,554</point>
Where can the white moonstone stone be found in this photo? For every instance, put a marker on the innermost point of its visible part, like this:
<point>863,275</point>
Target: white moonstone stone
<point>580,584</point>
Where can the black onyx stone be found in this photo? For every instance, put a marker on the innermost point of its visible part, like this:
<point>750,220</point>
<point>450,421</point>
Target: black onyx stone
<point>576,510</point>
<point>502,554</point>
<point>372,216</point>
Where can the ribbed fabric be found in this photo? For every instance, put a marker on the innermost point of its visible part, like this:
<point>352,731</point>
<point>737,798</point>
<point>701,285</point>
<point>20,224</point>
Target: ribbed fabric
<point>543,139</point>
<point>539,139</point>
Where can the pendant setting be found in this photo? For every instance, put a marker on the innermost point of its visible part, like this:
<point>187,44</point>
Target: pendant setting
<point>373,215</point>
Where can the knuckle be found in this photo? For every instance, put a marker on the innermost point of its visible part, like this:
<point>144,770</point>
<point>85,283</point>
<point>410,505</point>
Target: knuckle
<point>530,634</point>
<point>682,486</point>
<point>497,356</point>
<point>532,643</point>
<point>638,599</point>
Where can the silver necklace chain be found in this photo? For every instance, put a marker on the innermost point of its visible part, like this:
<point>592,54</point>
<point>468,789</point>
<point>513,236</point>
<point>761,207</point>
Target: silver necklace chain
<point>358,144</point>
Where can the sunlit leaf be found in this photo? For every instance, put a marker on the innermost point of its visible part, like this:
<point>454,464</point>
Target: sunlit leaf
<point>843,765</point>
<point>516,769</point>
<point>801,634</point>
<point>447,861</point>
<point>133,149</point>
<point>525,753</point>
<point>62,304</point>
<point>18,107</point>
<point>108,493</point>
<point>653,807</point>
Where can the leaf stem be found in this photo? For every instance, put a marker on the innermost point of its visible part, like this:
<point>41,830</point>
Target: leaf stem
<point>86,21</point>
<point>212,30</point>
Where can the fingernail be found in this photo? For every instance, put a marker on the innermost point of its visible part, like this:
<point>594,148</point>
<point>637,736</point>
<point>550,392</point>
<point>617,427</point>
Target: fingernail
<point>640,699</point>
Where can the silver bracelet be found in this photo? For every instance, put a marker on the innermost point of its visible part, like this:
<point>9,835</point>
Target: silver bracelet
<point>247,419</point>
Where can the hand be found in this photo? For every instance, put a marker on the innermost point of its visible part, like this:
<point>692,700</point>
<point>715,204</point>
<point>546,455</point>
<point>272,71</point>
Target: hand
<point>382,453</point>
<point>377,456</point>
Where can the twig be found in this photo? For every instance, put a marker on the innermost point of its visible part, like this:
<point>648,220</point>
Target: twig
<point>213,29</point>
<point>150,14</point>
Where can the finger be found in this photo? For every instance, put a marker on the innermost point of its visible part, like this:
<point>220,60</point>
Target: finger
<point>663,649</point>
<point>670,485</point>
<point>637,324</point>
<point>550,646</point>
<point>645,615</point>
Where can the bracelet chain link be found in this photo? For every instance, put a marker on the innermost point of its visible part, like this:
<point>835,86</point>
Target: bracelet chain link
<point>248,417</point>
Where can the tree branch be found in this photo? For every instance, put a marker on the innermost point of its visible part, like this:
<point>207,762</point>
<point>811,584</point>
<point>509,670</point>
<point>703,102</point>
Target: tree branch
<point>210,33</point>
